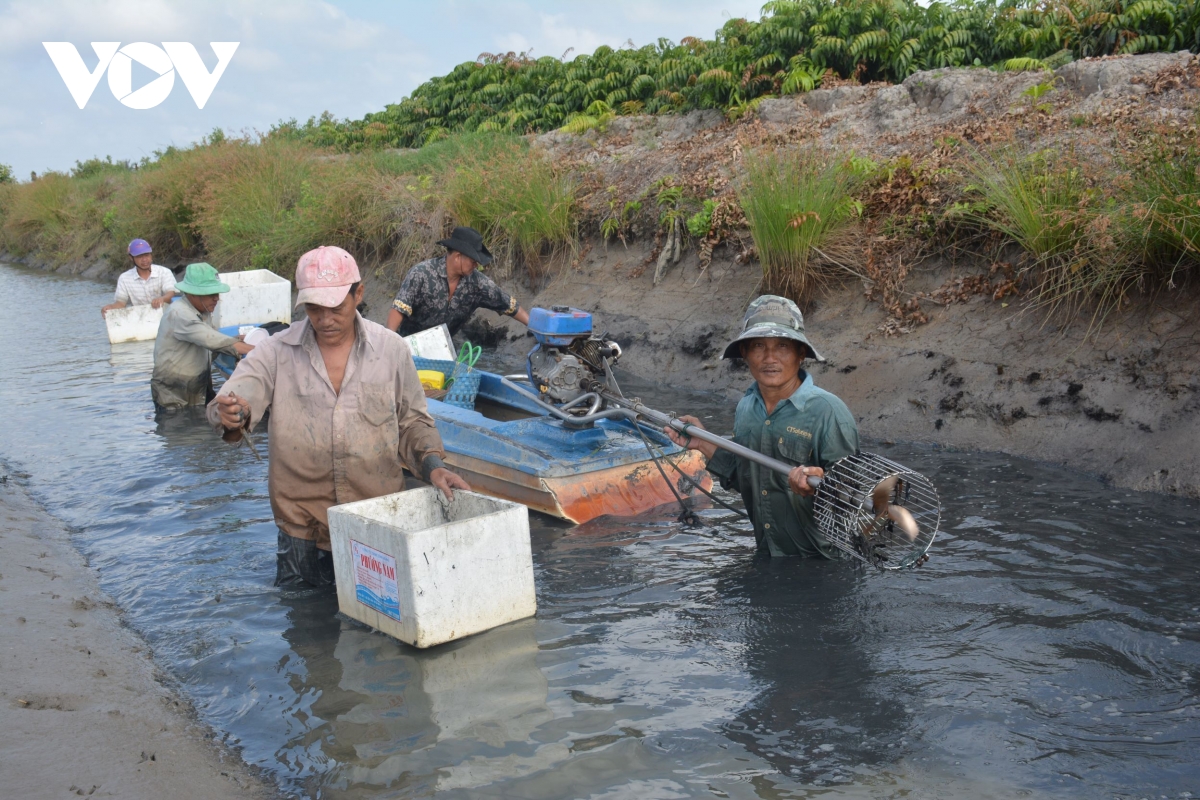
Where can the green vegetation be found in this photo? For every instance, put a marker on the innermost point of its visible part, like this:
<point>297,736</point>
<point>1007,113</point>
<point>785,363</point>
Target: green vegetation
<point>58,215</point>
<point>521,203</point>
<point>790,49</point>
<point>245,205</point>
<point>795,206</point>
<point>1168,204</point>
<point>1085,237</point>
<point>1089,237</point>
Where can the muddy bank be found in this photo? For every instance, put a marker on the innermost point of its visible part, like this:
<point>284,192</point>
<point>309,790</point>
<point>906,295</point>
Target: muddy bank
<point>979,376</point>
<point>82,711</point>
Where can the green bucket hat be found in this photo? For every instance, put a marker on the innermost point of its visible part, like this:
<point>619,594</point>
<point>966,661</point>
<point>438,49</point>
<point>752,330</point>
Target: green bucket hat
<point>771,316</point>
<point>201,278</point>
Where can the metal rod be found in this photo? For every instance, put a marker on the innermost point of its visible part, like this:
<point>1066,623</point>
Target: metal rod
<point>632,409</point>
<point>664,420</point>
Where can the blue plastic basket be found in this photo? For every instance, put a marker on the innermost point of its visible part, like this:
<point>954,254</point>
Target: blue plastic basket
<point>463,381</point>
<point>464,388</point>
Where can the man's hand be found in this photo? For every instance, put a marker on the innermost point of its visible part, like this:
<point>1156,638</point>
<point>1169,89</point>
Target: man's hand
<point>446,481</point>
<point>798,480</point>
<point>690,442</point>
<point>111,306</point>
<point>158,302</point>
<point>235,411</point>
<point>243,349</point>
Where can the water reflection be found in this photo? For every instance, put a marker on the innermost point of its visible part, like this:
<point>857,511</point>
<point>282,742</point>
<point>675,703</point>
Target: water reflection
<point>131,360</point>
<point>818,712</point>
<point>386,715</point>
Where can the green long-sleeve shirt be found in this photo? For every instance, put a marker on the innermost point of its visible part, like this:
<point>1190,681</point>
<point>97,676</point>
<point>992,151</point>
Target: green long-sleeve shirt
<point>810,428</point>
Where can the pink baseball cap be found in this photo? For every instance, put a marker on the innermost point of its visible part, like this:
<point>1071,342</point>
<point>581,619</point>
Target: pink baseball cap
<point>325,275</point>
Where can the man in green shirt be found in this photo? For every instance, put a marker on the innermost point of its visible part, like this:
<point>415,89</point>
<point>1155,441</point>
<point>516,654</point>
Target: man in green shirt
<point>785,416</point>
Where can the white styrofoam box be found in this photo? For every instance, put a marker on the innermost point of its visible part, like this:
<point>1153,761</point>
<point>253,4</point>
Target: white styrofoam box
<point>254,297</point>
<point>427,572</point>
<point>133,324</point>
<point>432,343</point>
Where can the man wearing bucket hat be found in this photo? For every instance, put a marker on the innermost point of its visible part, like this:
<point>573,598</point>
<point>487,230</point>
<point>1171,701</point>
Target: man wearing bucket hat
<point>146,283</point>
<point>347,414</point>
<point>187,338</point>
<point>449,288</point>
<point>785,416</point>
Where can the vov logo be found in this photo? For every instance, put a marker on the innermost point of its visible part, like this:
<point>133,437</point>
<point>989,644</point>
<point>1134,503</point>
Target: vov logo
<point>165,61</point>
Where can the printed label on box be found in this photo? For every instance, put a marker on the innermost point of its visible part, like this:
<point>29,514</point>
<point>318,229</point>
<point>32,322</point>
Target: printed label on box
<point>375,579</point>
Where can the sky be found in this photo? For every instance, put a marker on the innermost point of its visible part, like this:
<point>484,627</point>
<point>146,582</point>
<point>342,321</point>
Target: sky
<point>295,59</point>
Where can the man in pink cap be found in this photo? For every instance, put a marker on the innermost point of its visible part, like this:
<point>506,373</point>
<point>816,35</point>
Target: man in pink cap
<point>347,414</point>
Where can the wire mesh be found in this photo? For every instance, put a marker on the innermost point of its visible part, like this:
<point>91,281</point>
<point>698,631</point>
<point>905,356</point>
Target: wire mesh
<point>880,512</point>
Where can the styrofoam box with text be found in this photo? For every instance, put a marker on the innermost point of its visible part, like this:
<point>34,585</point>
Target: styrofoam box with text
<point>428,572</point>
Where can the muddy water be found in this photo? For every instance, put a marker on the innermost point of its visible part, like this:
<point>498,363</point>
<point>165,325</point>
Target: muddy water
<point>1050,647</point>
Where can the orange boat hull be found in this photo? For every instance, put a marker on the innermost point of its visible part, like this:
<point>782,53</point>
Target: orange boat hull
<point>617,491</point>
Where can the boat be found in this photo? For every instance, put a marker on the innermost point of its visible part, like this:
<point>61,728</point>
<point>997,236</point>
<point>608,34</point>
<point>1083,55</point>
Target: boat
<point>508,447</point>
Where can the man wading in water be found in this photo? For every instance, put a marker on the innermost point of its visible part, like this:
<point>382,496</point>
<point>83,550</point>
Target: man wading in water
<point>146,283</point>
<point>449,288</point>
<point>785,416</point>
<point>347,414</point>
<point>186,339</point>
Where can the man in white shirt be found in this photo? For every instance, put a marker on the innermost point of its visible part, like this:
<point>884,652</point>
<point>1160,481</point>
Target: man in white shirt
<point>145,284</point>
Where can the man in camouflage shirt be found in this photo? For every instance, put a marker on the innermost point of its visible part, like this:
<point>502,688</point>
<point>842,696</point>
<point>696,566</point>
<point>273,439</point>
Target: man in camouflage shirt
<point>449,288</point>
<point>785,416</point>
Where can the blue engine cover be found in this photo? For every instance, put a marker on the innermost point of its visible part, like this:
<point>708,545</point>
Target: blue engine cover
<point>559,325</point>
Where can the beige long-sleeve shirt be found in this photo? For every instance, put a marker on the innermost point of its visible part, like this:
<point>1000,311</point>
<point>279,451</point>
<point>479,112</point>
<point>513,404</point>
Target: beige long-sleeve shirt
<point>182,355</point>
<point>329,448</point>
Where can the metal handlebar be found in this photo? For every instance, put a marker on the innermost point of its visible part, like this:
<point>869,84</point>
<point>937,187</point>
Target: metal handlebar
<point>633,409</point>
<point>664,420</point>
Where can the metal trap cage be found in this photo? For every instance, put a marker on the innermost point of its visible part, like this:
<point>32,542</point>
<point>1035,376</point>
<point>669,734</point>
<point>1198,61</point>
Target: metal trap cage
<point>878,511</point>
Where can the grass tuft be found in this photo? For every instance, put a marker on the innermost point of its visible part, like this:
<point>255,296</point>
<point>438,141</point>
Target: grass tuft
<point>796,205</point>
<point>1167,204</point>
<point>1076,235</point>
<point>518,199</point>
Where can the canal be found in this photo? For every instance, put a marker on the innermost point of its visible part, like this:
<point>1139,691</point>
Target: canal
<point>1049,648</point>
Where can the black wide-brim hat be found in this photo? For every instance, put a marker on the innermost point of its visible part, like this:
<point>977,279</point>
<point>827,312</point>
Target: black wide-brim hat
<point>469,242</point>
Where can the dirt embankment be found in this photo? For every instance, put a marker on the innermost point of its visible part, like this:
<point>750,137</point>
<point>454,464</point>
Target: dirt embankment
<point>980,374</point>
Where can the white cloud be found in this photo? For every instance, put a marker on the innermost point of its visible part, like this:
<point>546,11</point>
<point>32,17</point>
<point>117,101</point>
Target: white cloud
<point>297,58</point>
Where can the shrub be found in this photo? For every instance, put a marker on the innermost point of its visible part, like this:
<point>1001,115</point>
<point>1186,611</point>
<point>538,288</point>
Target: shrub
<point>60,218</point>
<point>521,203</point>
<point>789,49</point>
<point>795,205</point>
<point>160,204</point>
<point>1167,194</point>
<point>1077,238</point>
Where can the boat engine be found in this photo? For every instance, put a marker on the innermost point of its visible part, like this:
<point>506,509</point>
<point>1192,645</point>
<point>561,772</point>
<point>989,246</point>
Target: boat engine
<point>568,359</point>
